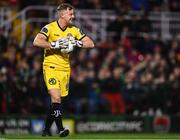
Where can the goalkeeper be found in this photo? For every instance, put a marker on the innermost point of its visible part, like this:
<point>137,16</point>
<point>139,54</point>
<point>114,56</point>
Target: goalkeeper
<point>58,39</point>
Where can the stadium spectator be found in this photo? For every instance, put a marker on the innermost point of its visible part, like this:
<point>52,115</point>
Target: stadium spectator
<point>140,5</point>
<point>3,41</point>
<point>112,92</point>
<point>174,5</point>
<point>115,27</point>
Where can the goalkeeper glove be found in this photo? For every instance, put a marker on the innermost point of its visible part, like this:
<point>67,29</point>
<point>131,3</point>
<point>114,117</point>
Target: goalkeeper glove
<point>79,44</point>
<point>76,43</point>
<point>61,43</point>
<point>68,49</point>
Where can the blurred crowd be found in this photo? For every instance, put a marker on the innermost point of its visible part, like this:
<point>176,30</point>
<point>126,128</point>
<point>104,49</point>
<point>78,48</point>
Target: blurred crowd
<point>129,72</point>
<point>118,5</point>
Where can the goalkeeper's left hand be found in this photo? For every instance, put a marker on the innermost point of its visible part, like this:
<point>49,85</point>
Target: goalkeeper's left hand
<point>76,43</point>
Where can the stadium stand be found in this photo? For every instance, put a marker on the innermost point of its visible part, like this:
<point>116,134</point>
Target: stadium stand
<point>136,59</point>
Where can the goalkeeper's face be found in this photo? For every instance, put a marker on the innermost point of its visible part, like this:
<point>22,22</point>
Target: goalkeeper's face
<point>68,16</point>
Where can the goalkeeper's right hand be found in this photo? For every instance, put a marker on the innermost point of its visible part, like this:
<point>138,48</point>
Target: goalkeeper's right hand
<point>59,44</point>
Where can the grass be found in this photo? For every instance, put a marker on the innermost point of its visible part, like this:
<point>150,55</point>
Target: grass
<point>124,136</point>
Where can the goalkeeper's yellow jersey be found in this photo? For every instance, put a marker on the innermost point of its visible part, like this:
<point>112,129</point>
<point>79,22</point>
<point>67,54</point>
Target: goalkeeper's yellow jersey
<point>54,57</point>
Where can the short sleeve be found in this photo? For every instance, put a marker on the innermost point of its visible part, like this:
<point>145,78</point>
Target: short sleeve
<point>80,34</point>
<point>45,30</point>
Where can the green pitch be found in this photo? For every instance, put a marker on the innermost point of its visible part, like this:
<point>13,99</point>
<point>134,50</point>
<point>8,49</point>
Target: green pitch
<point>95,136</point>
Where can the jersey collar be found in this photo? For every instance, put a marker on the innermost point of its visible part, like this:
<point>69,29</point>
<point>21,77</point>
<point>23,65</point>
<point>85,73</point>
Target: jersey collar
<point>60,26</point>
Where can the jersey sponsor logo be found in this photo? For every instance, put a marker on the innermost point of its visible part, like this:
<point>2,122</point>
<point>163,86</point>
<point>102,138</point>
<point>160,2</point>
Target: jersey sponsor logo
<point>56,35</point>
<point>52,81</point>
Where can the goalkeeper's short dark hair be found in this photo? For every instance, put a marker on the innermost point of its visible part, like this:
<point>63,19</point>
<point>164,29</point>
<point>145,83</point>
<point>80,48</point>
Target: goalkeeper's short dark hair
<point>64,6</point>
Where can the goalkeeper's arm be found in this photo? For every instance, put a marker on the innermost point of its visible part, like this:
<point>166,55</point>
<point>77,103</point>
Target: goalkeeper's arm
<point>41,41</point>
<point>86,42</point>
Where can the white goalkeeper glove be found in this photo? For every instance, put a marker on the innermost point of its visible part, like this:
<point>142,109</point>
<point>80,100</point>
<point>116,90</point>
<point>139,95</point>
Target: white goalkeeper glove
<point>79,44</point>
<point>68,49</point>
<point>61,43</point>
<point>76,43</point>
